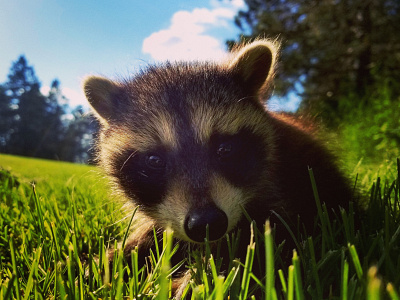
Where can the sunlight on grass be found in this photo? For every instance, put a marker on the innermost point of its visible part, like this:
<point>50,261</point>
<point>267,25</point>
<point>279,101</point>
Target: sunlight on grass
<point>54,240</point>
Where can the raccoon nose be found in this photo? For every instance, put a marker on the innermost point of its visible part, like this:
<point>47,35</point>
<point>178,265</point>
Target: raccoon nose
<point>196,224</point>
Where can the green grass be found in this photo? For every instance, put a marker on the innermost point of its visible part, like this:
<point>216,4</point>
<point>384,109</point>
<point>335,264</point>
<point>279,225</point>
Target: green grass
<point>54,235</point>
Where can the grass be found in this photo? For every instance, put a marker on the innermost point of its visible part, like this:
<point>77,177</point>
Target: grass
<point>54,235</point>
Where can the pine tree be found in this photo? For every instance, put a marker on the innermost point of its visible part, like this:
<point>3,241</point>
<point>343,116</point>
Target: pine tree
<point>34,126</point>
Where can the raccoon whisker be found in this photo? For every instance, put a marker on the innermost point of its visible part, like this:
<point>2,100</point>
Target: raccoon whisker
<point>143,174</point>
<point>129,157</point>
<point>119,221</point>
<point>245,98</point>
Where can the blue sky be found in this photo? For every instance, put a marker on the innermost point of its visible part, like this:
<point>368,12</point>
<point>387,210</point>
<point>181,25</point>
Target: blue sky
<point>69,40</point>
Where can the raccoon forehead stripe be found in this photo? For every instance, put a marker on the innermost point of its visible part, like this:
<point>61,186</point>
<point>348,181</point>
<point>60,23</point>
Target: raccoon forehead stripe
<point>162,126</point>
<point>156,131</point>
<point>208,120</point>
<point>203,122</point>
<point>152,130</point>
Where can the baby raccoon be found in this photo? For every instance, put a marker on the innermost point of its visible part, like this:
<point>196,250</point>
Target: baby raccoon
<point>193,145</point>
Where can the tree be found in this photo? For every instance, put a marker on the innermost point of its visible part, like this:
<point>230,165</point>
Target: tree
<point>330,48</point>
<point>28,128</point>
<point>49,144</point>
<point>19,111</point>
<point>22,78</point>
<point>34,126</point>
<point>37,125</point>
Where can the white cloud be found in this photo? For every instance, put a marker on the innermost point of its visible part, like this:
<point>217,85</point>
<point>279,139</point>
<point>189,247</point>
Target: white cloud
<point>187,36</point>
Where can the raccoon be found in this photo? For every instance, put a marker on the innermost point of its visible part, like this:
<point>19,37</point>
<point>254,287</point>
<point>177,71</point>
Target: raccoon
<point>193,145</point>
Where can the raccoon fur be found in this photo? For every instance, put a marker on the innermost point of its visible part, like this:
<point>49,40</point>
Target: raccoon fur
<point>192,144</point>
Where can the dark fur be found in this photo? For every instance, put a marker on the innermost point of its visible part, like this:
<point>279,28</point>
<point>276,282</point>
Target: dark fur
<point>154,112</point>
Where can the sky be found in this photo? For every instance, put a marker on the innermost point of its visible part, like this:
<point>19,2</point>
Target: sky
<point>69,40</point>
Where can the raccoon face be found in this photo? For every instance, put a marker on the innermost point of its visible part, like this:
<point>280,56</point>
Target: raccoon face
<point>189,143</point>
<point>196,184</point>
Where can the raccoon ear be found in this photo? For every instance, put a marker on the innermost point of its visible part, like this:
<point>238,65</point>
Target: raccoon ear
<point>254,65</point>
<point>100,92</point>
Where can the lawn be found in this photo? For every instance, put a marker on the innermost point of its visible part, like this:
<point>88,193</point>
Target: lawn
<point>57,220</point>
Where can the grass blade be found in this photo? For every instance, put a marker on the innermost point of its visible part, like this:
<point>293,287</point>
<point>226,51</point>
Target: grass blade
<point>29,284</point>
<point>15,270</point>
<point>10,286</point>
<point>283,282</point>
<point>128,228</point>
<point>314,267</point>
<point>345,280</point>
<point>392,292</point>
<point>247,267</point>
<point>290,293</point>
<point>297,277</point>
<point>374,285</point>
<point>269,262</point>
<point>356,261</point>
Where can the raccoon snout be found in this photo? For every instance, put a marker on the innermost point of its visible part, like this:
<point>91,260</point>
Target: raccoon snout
<point>196,224</point>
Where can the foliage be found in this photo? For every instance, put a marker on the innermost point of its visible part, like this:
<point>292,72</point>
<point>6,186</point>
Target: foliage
<point>37,125</point>
<point>371,131</point>
<point>77,142</point>
<point>330,48</point>
<point>52,235</point>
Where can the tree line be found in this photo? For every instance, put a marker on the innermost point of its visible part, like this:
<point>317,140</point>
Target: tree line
<point>43,126</point>
<point>331,49</point>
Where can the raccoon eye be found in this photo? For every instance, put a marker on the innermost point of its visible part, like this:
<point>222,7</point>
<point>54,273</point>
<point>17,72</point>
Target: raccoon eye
<point>224,150</point>
<point>155,162</point>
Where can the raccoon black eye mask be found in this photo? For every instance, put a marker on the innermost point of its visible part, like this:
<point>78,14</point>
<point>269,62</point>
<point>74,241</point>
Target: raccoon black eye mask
<point>144,176</point>
<point>192,145</point>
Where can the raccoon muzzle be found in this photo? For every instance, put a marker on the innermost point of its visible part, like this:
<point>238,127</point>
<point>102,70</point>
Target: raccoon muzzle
<point>197,220</point>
